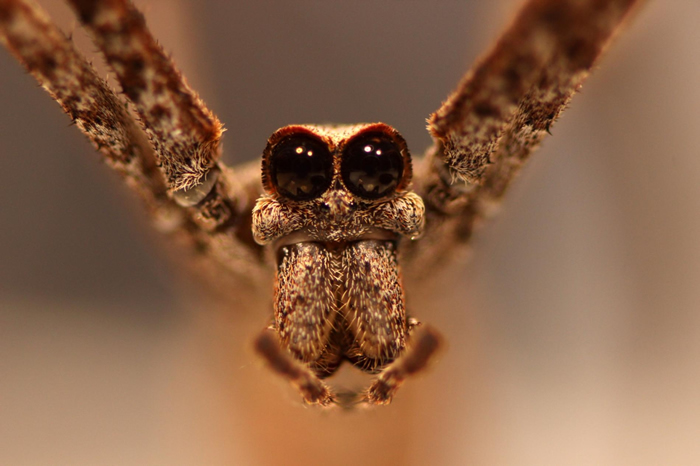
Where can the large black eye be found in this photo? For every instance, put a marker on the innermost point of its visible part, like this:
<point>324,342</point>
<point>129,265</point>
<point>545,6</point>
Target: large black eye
<point>372,166</point>
<point>301,167</point>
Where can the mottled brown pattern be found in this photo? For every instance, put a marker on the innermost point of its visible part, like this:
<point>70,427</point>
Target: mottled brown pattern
<point>373,303</point>
<point>184,133</point>
<point>338,290</point>
<point>528,79</point>
<point>548,37</point>
<point>345,301</point>
<point>305,299</point>
<point>273,219</point>
<point>53,60</point>
<point>211,229</point>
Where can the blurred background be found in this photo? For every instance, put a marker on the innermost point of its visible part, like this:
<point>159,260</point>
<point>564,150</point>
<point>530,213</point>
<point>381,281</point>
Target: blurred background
<point>574,330</point>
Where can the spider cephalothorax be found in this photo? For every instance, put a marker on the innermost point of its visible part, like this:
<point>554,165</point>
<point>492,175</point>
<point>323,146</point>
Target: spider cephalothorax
<point>337,205</point>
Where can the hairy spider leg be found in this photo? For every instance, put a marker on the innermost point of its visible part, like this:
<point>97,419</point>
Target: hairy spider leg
<point>499,114</point>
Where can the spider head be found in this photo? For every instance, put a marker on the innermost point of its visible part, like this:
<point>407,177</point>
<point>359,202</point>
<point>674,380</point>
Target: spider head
<point>335,183</point>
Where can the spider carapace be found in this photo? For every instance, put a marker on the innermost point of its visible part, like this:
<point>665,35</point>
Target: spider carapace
<point>337,206</point>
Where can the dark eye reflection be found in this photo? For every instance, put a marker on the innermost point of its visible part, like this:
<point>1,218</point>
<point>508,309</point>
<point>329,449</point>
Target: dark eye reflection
<point>301,167</point>
<point>372,166</point>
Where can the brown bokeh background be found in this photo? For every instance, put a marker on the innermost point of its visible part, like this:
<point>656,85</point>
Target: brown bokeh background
<point>574,331</point>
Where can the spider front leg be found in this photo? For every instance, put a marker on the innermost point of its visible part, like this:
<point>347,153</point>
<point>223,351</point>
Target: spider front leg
<point>174,166</point>
<point>502,110</point>
<point>52,59</point>
<point>185,134</point>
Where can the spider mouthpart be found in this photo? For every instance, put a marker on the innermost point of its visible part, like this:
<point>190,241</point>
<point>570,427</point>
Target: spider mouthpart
<point>372,166</point>
<point>301,167</point>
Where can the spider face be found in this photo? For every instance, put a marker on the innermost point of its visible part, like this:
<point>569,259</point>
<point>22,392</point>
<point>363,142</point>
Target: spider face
<point>337,204</point>
<point>336,184</point>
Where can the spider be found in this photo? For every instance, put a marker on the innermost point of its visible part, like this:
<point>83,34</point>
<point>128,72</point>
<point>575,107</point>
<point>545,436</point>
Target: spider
<point>339,213</point>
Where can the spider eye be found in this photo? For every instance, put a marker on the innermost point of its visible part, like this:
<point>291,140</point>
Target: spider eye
<point>301,167</point>
<point>372,166</point>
